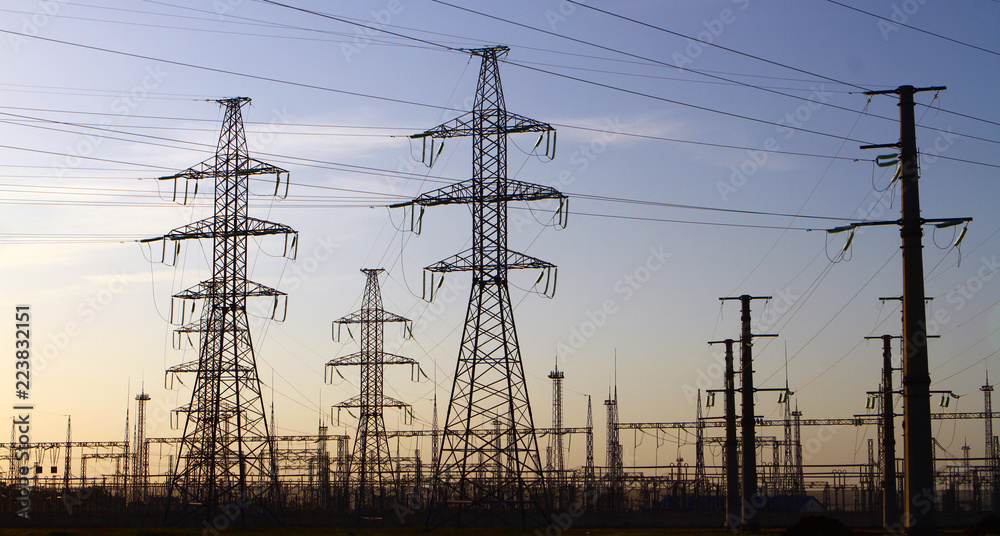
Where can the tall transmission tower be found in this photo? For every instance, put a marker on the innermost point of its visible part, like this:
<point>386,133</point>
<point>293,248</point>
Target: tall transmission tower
<point>489,385</point>
<point>225,457</point>
<point>371,459</point>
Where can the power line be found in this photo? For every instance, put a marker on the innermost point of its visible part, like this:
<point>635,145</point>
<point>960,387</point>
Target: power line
<point>939,36</point>
<point>727,49</point>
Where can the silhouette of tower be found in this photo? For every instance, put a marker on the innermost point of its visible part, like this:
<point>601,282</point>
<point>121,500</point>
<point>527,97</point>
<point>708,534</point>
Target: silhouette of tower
<point>557,377</point>
<point>225,457</point>
<point>371,460</point>
<point>140,458</point>
<point>489,390</point>
<point>616,469</point>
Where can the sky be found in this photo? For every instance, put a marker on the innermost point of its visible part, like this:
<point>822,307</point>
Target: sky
<point>705,148</point>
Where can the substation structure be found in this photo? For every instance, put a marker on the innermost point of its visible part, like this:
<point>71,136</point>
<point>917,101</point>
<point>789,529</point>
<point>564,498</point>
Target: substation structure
<point>322,480</point>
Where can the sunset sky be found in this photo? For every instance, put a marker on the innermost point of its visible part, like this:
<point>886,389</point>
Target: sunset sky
<point>694,172</point>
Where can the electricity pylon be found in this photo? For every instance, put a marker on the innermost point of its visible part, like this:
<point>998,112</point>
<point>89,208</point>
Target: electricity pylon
<point>225,462</point>
<point>489,391</point>
<point>371,460</point>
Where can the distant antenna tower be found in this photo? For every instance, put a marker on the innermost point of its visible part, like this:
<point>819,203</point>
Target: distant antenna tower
<point>225,456</point>
<point>371,461</point>
<point>588,467</point>
<point>557,377</point>
<point>489,385</point>
<point>616,469</point>
<point>140,456</point>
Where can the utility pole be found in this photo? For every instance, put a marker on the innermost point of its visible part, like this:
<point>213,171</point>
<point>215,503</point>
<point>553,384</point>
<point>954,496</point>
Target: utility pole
<point>918,506</point>
<point>748,430</point>
<point>731,446</point>
<point>890,501</point>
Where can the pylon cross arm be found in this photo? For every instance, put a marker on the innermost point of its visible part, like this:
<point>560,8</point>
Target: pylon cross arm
<point>208,289</point>
<point>466,192</point>
<point>209,169</point>
<point>361,358</point>
<point>379,316</point>
<point>359,401</point>
<point>465,125</point>
<point>213,227</point>
<point>463,262</point>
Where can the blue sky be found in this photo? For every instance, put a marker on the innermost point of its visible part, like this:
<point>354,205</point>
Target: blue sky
<point>333,102</point>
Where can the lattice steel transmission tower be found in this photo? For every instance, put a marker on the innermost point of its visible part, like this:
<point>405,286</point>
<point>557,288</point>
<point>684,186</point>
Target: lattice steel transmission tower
<point>489,388</point>
<point>616,468</point>
<point>371,460</point>
<point>992,456</point>
<point>140,456</point>
<point>700,477</point>
<point>589,487</point>
<point>225,457</point>
<point>435,436</point>
<point>558,464</point>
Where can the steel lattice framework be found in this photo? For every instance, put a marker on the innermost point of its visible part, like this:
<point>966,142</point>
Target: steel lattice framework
<point>225,457</point>
<point>371,461</point>
<point>140,458</point>
<point>489,391</point>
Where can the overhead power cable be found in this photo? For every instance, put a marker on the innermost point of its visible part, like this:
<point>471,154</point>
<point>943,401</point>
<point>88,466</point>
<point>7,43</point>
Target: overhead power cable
<point>939,36</point>
<point>715,45</point>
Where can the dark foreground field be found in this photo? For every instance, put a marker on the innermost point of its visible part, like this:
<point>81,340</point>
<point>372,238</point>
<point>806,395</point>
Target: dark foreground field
<point>332,531</point>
